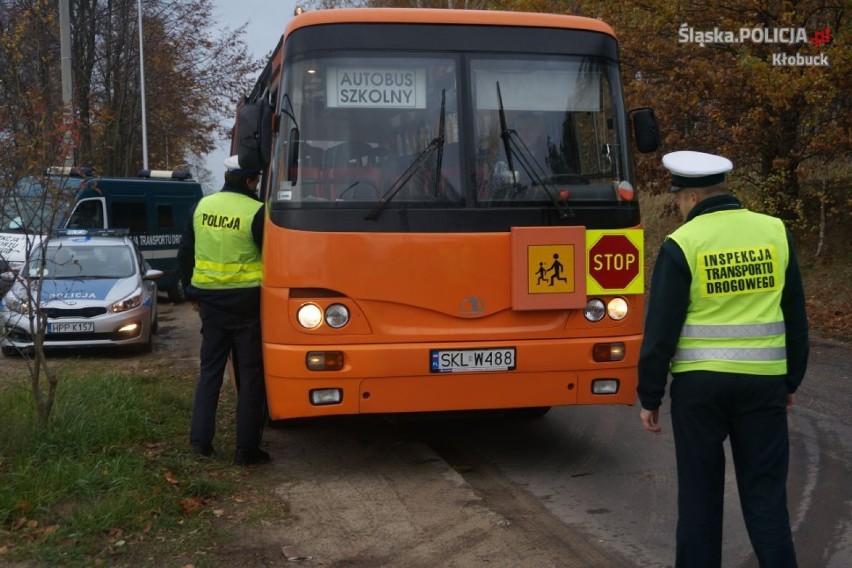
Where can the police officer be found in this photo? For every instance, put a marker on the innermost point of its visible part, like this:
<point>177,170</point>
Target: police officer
<point>727,318</point>
<point>220,257</point>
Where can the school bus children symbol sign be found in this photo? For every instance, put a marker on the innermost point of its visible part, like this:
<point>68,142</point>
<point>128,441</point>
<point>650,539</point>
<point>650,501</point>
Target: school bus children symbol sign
<point>548,268</point>
<point>552,269</point>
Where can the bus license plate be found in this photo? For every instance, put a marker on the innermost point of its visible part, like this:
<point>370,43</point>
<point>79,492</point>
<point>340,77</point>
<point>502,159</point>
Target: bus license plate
<point>78,327</point>
<point>469,360</point>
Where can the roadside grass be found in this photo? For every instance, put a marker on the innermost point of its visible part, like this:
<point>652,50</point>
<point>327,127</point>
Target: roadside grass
<point>110,481</point>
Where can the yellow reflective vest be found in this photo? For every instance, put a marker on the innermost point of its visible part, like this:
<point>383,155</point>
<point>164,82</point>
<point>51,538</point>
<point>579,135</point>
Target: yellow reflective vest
<point>226,255</point>
<point>734,324</point>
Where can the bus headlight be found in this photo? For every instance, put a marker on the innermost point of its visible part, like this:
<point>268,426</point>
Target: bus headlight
<point>617,308</point>
<point>336,315</point>
<point>595,310</point>
<point>309,316</point>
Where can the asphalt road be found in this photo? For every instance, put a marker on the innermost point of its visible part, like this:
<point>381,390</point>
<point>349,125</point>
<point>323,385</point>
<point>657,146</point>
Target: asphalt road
<point>597,471</point>
<point>585,486</point>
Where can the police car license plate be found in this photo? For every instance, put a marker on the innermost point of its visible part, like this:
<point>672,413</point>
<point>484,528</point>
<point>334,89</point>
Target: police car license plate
<point>470,360</point>
<point>76,327</point>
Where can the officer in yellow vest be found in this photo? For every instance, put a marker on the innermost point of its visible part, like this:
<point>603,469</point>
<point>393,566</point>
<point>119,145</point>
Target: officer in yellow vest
<point>726,317</point>
<point>220,257</point>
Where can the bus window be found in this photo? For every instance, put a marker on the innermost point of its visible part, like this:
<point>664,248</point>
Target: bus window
<point>557,110</point>
<point>363,123</point>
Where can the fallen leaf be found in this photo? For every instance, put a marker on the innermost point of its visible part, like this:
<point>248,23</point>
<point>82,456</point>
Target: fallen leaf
<point>191,504</point>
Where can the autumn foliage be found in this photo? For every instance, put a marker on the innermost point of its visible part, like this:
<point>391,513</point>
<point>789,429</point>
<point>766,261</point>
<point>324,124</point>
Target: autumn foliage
<point>194,75</point>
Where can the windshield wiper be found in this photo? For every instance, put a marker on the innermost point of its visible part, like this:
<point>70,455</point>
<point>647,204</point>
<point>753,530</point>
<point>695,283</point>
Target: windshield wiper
<point>506,135</point>
<point>437,143</point>
<point>440,157</point>
<point>514,146</point>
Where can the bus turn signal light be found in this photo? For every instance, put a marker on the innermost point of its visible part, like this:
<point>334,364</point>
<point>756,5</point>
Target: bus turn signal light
<point>324,360</point>
<point>603,352</point>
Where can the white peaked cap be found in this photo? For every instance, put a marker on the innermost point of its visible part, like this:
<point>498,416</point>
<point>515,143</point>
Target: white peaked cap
<point>696,169</point>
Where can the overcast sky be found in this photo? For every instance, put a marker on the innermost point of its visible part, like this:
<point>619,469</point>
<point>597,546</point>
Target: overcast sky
<point>266,21</point>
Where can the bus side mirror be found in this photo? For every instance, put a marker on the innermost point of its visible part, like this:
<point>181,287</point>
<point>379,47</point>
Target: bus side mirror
<point>293,155</point>
<point>645,131</point>
<point>254,135</point>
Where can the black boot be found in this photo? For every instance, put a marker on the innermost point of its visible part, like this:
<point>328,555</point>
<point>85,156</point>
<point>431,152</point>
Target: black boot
<point>201,450</point>
<point>254,456</point>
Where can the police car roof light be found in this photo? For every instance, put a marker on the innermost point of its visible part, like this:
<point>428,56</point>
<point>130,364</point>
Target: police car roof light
<point>165,174</point>
<point>93,232</point>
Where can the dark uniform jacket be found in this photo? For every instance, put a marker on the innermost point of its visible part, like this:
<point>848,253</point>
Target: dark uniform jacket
<point>239,301</point>
<point>669,299</point>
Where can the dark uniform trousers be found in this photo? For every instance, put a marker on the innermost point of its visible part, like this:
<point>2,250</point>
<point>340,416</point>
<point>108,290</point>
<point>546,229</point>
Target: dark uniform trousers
<point>223,332</point>
<point>708,407</point>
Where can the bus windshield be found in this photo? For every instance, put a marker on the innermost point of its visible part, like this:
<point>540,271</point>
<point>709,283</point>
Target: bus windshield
<point>543,122</point>
<point>374,123</point>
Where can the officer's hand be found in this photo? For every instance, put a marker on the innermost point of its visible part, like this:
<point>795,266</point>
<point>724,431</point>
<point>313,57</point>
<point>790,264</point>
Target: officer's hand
<point>651,420</point>
<point>194,306</point>
<point>789,401</point>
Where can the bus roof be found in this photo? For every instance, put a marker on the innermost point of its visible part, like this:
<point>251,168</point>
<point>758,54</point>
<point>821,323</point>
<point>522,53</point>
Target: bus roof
<point>436,16</point>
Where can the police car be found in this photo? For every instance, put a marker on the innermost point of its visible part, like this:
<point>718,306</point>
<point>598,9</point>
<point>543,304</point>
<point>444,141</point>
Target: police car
<point>94,287</point>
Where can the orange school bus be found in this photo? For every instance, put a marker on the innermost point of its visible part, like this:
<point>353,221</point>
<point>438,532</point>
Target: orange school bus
<point>452,222</point>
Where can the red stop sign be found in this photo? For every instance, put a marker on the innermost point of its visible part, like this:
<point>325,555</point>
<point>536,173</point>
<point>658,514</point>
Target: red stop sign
<point>613,261</point>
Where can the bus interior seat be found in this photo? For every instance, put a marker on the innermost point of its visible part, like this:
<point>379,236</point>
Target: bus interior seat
<point>351,153</point>
<point>422,183</point>
<point>352,171</point>
<point>355,182</point>
<point>310,170</point>
<point>450,186</point>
